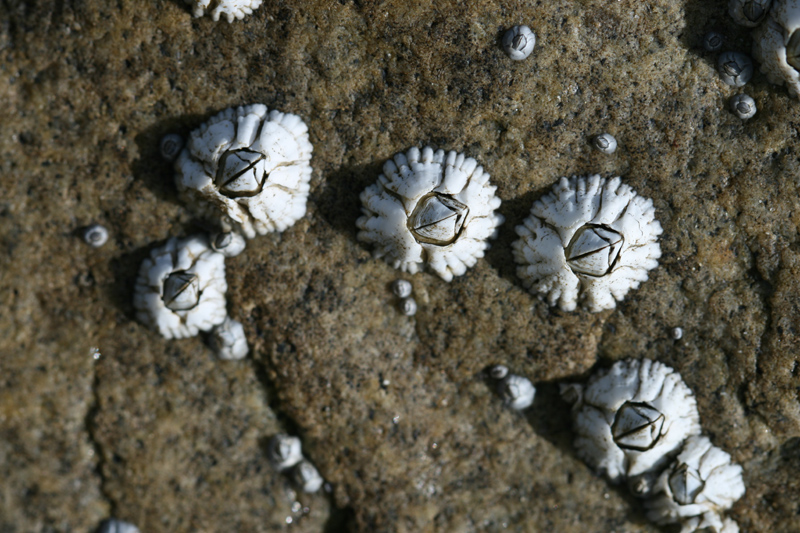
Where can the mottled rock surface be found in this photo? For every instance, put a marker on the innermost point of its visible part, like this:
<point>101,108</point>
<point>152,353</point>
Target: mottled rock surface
<point>393,410</point>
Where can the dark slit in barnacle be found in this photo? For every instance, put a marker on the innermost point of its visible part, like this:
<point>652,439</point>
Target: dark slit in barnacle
<point>181,291</point>
<point>637,426</point>
<point>594,250</point>
<point>438,219</point>
<point>793,50</point>
<point>240,174</point>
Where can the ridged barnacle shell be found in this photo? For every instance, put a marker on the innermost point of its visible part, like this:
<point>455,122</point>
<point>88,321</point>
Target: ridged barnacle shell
<point>430,207</point>
<point>776,45</point>
<point>631,418</point>
<point>180,289</point>
<point>231,9</point>
<point>749,13</point>
<point>588,239</point>
<point>247,169</point>
<point>700,484</point>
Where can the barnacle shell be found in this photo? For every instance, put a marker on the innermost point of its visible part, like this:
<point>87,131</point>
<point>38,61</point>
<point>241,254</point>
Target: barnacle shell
<point>630,418</point>
<point>589,238</point>
<point>701,483</point>
<point>516,391</point>
<point>117,526</point>
<point>284,451</point>
<point>232,9</point>
<point>247,169</point>
<point>430,207</point>
<point>776,45</point>
<point>307,477</point>
<point>749,13</point>
<point>228,340</point>
<point>181,288</point>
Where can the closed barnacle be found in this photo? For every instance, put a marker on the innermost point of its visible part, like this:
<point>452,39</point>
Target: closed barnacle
<point>408,306</point>
<point>516,391</point>
<point>735,68</point>
<point>228,243</point>
<point>113,525</point>
<point>95,235</point>
<point>712,41</point>
<point>228,340</point>
<point>498,371</point>
<point>230,9</point>
<point>284,451</point>
<point>518,42</point>
<point>776,45</point>
<point>743,106</point>
<point>170,146</point>
<point>605,143</point>
<point>748,13</point>
<point>402,288</point>
<point>307,477</point>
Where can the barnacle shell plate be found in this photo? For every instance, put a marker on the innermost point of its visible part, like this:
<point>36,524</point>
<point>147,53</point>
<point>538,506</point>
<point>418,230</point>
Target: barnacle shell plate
<point>588,239</point>
<point>776,45</point>
<point>430,207</point>
<point>248,169</point>
<point>628,419</point>
<point>180,289</point>
<point>231,9</point>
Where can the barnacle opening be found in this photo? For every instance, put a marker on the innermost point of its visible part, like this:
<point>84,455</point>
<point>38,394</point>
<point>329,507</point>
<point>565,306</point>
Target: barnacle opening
<point>181,291</point>
<point>793,50</point>
<point>754,10</point>
<point>241,173</point>
<point>685,484</point>
<point>594,250</point>
<point>637,426</point>
<point>438,219</point>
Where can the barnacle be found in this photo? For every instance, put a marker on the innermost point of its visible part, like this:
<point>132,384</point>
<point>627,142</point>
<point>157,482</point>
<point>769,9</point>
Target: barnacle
<point>430,207</point>
<point>232,9</point>
<point>776,45</point>
<point>181,288</point>
<point>631,418</point>
<point>589,238</point>
<point>749,13</point>
<point>247,169</point>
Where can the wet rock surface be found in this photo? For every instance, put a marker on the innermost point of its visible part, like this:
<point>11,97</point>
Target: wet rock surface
<point>394,411</point>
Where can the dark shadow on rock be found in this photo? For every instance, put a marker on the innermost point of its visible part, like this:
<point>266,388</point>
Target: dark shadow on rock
<point>702,17</point>
<point>125,269</point>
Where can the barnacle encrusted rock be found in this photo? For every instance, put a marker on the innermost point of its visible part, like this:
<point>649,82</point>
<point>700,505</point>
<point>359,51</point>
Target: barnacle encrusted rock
<point>697,488</point>
<point>776,45</point>
<point>180,289</point>
<point>231,9</point>
<point>589,239</point>
<point>430,207</point>
<point>630,419</point>
<point>247,169</point>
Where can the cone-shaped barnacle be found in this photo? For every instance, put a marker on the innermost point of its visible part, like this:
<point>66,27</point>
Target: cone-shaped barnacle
<point>181,288</point>
<point>284,451</point>
<point>117,526</point>
<point>518,42</point>
<point>697,488</point>
<point>247,169</point>
<point>516,391</point>
<point>307,477</point>
<point>631,419</point>
<point>749,13</point>
<point>430,208</point>
<point>230,9</point>
<point>228,340</point>
<point>776,45</point>
<point>229,243</point>
<point>589,239</point>
<point>735,68</point>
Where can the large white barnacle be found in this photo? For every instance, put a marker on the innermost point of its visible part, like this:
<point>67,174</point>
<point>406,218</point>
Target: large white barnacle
<point>231,9</point>
<point>247,169</point>
<point>180,289</point>
<point>430,207</point>
<point>630,419</point>
<point>697,488</point>
<point>776,45</point>
<point>588,239</point>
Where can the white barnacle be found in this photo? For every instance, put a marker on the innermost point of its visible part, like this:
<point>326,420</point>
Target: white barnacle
<point>776,45</point>
<point>516,391</point>
<point>170,146</point>
<point>307,477</point>
<point>430,208</point>
<point>408,306</point>
<point>630,419</point>
<point>284,451</point>
<point>402,288</point>
<point>113,525</point>
<point>699,485</point>
<point>231,9</point>
<point>749,13</point>
<point>247,169</point>
<point>743,106</point>
<point>605,143</point>
<point>518,42</point>
<point>228,243</point>
<point>228,340</point>
<point>95,235</point>
<point>735,68</point>
<point>181,288</point>
<point>589,239</point>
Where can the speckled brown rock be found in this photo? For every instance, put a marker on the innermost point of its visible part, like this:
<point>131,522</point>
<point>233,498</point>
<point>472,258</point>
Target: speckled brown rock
<point>393,410</point>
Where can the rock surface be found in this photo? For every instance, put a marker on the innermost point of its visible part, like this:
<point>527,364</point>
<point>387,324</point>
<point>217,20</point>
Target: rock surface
<point>393,410</point>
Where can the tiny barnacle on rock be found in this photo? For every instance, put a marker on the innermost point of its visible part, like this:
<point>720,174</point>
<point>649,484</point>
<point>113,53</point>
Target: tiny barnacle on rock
<point>95,235</point>
<point>307,477</point>
<point>171,145</point>
<point>284,451</point>
<point>712,41</point>
<point>498,371</point>
<point>247,169</point>
<point>117,526</point>
<point>408,306</point>
<point>776,45</point>
<point>743,106</point>
<point>676,333</point>
<point>181,288</point>
<point>402,288</point>
<point>518,42</point>
<point>516,391</point>
<point>228,340</point>
<point>588,239</point>
<point>430,208</point>
<point>606,143</point>
<point>735,68</point>
<point>749,13</point>
<point>228,243</point>
<point>231,9</point>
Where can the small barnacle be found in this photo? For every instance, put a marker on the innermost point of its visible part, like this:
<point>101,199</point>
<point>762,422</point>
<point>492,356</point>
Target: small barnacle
<point>408,306</point>
<point>181,288</point>
<point>117,526</point>
<point>247,169</point>
<point>95,235</point>
<point>284,451</point>
<point>430,208</point>
<point>498,371</point>
<point>676,333</point>
<point>170,146</point>
<point>776,45</point>
<point>518,42</point>
<point>630,419</point>
<point>228,243</point>
<point>606,143</point>
<point>712,41</point>
<point>697,488</point>
<point>743,106</point>
<point>228,340</point>
<point>402,288</point>
<point>231,9</point>
<point>735,68</point>
<point>589,238</point>
<point>749,13</point>
<point>516,391</point>
<point>307,477</point>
